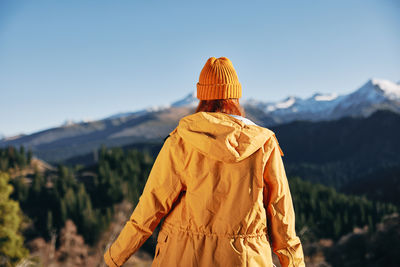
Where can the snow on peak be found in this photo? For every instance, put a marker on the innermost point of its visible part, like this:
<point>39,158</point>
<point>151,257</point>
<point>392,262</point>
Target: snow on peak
<point>389,89</point>
<point>288,102</point>
<point>324,97</point>
<point>68,122</point>
<point>189,100</point>
<point>157,108</point>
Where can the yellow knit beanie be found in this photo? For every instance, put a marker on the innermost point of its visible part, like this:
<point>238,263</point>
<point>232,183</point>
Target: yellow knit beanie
<point>218,80</point>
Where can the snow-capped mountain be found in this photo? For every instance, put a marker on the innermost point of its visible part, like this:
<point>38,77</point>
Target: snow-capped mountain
<point>373,95</point>
<point>188,101</point>
<point>139,112</point>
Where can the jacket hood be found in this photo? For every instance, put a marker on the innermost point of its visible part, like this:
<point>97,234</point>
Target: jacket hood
<point>221,136</point>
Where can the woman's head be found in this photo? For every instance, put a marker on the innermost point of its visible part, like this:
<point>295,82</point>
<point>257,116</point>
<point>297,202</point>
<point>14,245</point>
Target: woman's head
<point>219,88</point>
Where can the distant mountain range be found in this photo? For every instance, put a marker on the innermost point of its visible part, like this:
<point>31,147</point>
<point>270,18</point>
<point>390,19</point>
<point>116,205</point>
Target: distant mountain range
<point>154,123</point>
<point>376,94</point>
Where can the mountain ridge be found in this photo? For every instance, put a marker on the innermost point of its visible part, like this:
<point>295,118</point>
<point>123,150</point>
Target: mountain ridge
<point>154,123</point>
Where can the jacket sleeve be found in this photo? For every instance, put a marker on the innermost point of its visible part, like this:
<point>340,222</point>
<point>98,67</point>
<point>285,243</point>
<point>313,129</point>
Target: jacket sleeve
<point>160,192</point>
<point>280,212</point>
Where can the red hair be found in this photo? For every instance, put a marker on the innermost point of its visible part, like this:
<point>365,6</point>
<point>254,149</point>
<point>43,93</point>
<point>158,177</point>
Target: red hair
<point>229,106</point>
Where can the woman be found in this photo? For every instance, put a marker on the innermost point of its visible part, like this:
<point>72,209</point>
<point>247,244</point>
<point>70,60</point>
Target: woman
<point>220,183</point>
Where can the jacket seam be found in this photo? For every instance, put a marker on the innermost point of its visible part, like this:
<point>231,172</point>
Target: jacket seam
<point>266,157</point>
<point>179,168</point>
<point>109,252</point>
<point>213,234</point>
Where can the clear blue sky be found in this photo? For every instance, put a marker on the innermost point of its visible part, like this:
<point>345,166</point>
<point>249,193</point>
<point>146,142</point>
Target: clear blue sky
<point>78,60</point>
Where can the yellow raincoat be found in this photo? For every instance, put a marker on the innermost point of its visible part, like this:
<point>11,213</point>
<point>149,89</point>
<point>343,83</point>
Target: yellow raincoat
<point>222,186</point>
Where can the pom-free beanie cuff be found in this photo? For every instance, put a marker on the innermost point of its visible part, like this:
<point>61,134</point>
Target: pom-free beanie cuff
<point>218,91</point>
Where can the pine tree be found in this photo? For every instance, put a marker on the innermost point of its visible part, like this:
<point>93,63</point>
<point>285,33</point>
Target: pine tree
<point>29,156</point>
<point>21,160</point>
<point>38,184</point>
<point>11,241</point>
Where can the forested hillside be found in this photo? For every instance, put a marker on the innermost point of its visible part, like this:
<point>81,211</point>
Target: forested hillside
<point>381,184</point>
<point>322,212</point>
<point>339,152</point>
<point>85,195</point>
